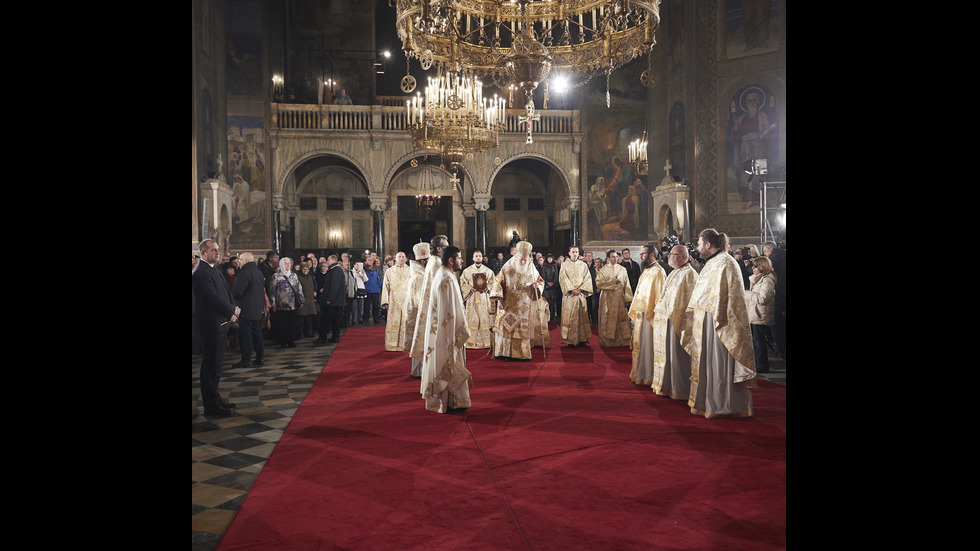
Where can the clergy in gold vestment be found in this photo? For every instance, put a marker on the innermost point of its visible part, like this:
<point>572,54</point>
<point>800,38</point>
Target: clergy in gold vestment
<point>413,293</point>
<point>671,362</point>
<point>436,246</point>
<point>446,382</point>
<point>645,297</point>
<point>613,281</point>
<point>576,287</point>
<point>722,358</point>
<point>394,291</point>
<point>474,283</point>
<point>521,320</point>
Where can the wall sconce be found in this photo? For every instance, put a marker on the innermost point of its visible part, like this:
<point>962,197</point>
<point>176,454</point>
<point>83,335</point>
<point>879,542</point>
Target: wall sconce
<point>335,239</point>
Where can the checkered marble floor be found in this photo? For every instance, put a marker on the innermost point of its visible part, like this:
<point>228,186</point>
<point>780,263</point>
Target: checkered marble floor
<point>228,453</point>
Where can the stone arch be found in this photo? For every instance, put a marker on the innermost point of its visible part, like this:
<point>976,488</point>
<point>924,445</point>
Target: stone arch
<point>296,162</point>
<point>531,155</point>
<point>395,169</point>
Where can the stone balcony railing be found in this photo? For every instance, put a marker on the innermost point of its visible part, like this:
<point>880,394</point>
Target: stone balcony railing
<point>347,118</point>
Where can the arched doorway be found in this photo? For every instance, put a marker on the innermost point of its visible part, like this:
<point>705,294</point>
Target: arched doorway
<point>327,201</point>
<point>530,197</point>
<point>415,222</point>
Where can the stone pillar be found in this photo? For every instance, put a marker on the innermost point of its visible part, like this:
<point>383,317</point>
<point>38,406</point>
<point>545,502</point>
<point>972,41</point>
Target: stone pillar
<point>378,205</point>
<point>277,204</point>
<point>573,218</point>
<point>482,204</point>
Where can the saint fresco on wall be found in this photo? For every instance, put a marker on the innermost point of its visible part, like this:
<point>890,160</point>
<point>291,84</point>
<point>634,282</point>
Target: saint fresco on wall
<point>752,135</point>
<point>617,198</point>
<point>751,27</point>
<point>248,177</point>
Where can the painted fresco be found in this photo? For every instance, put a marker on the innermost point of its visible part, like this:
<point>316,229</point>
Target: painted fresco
<point>752,134</point>
<point>243,48</point>
<point>617,198</point>
<point>752,27</point>
<point>248,176</point>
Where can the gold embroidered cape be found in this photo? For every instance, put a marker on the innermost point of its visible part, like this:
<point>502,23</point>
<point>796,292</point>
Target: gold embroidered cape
<point>719,290</point>
<point>475,284</point>
<point>614,325</point>
<point>418,336</point>
<point>575,326</point>
<point>522,321</point>
<point>672,307</point>
<point>413,290</point>
<point>444,361</point>
<point>394,293</point>
<point>645,297</point>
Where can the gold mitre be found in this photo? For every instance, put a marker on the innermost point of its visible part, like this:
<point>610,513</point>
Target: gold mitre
<point>421,251</point>
<point>524,249</point>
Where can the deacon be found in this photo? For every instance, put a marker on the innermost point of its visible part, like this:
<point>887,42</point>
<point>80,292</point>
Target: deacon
<point>576,288</point>
<point>436,246</point>
<point>521,312</point>
<point>473,283</point>
<point>722,357</point>
<point>671,362</point>
<point>649,287</point>
<point>393,296</point>
<point>613,281</point>
<point>446,382</point>
<point>413,292</point>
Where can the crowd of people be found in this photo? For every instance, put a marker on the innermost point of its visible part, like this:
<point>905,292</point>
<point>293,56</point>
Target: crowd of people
<point>700,319</point>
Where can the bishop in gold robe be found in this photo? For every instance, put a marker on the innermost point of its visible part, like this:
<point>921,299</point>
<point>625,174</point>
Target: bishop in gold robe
<point>474,283</point>
<point>722,357</point>
<point>648,289</point>
<point>446,382</point>
<point>413,293</point>
<point>436,245</point>
<point>394,291</point>
<point>522,315</point>
<point>672,329</point>
<point>613,281</point>
<point>576,286</point>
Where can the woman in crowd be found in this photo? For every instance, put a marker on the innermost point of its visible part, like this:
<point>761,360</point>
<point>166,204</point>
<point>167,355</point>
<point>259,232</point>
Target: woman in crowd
<point>760,301</point>
<point>307,314</point>
<point>286,298</point>
<point>360,278</point>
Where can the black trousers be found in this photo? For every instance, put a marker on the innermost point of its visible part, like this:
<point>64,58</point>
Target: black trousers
<point>213,352</point>
<point>250,339</point>
<point>373,303</point>
<point>334,314</point>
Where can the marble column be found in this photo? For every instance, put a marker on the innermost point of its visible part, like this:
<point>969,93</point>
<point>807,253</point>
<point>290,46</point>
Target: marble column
<point>482,204</point>
<point>277,205</point>
<point>574,218</point>
<point>378,205</point>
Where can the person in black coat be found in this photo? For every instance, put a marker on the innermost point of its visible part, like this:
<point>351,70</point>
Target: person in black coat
<point>249,293</point>
<point>333,297</point>
<point>216,309</point>
<point>632,269</point>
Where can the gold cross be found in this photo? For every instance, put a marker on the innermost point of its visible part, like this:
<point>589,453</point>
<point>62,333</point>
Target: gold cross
<point>531,116</point>
<point>455,181</point>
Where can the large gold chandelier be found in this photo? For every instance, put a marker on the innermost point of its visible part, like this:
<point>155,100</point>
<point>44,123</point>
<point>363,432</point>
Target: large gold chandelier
<point>454,118</point>
<point>524,42</point>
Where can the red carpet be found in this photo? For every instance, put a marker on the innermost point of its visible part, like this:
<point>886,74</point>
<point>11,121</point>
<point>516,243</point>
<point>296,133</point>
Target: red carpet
<point>555,454</point>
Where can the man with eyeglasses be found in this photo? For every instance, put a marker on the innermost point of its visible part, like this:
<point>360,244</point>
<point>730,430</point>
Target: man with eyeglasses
<point>671,362</point>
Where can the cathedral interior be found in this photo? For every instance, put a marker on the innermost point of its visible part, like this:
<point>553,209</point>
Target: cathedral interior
<point>306,139</point>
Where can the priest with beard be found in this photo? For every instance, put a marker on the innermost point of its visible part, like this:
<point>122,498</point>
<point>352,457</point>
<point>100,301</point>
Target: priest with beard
<point>613,280</point>
<point>446,382</point>
<point>474,283</point>
<point>722,354</point>
<point>671,362</point>
<point>649,286</point>
<point>521,320</point>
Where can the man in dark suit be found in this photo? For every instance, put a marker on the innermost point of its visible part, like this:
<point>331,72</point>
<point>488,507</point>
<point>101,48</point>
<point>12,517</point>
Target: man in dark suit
<point>333,299</point>
<point>249,292</point>
<point>632,269</point>
<point>216,309</point>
